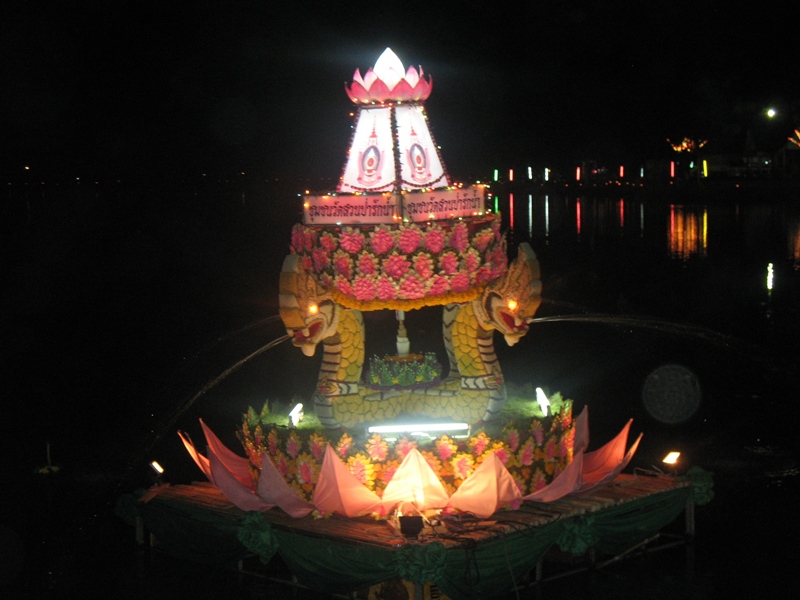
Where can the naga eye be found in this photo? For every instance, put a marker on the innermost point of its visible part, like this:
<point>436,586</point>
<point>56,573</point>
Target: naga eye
<point>512,305</point>
<point>313,309</point>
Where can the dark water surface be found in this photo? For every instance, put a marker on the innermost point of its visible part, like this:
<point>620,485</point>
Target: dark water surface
<point>123,305</point>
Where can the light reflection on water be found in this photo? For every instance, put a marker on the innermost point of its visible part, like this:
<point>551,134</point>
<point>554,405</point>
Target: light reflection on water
<point>685,229</point>
<point>724,247</point>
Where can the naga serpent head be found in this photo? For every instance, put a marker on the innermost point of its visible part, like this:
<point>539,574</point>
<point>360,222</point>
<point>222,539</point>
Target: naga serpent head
<point>509,302</point>
<point>308,312</point>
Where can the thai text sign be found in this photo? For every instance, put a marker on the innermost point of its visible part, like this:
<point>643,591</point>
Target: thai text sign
<point>350,209</point>
<point>443,204</point>
<point>370,209</point>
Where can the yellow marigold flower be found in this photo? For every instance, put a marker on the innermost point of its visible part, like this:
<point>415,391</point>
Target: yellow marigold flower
<point>479,443</point>
<point>377,448</point>
<point>445,447</point>
<point>463,465</point>
<point>307,469</point>
<point>316,444</point>
<point>362,469</point>
<point>344,445</point>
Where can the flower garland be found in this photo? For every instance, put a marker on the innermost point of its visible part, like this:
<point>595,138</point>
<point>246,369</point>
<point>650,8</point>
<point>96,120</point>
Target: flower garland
<point>389,373</point>
<point>534,450</point>
<point>406,266</point>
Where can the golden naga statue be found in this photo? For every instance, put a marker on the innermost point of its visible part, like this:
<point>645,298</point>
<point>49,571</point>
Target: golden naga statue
<point>473,391</point>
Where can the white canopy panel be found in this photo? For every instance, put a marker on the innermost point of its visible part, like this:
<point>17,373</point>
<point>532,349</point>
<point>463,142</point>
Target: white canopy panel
<point>370,160</point>
<point>420,165</point>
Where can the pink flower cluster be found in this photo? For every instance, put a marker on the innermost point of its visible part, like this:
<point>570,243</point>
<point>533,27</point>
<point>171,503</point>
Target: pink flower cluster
<point>407,262</point>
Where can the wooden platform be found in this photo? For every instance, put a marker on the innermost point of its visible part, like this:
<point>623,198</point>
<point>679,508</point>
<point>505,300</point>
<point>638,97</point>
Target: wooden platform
<point>629,512</point>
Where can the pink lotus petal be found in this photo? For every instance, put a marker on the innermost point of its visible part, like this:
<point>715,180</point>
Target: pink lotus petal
<point>357,93</point>
<point>423,89</point>
<point>241,496</point>
<point>402,91</point>
<point>604,459</point>
<point>379,91</point>
<point>272,488</point>
<point>200,460</point>
<point>338,491</point>
<point>416,483</point>
<point>565,483</point>
<point>609,476</point>
<point>357,78</point>
<point>489,488</point>
<point>237,465</point>
<point>412,77</point>
<point>369,79</point>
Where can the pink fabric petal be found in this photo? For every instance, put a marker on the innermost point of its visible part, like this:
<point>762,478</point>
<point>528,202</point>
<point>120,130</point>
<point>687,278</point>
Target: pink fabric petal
<point>378,91</point>
<point>357,92</point>
<point>369,78</point>
<point>423,89</point>
<point>581,440</point>
<point>273,489</point>
<point>565,483</point>
<point>239,466</point>
<point>402,91</point>
<point>198,458</point>
<point>241,496</point>
<point>489,487</point>
<point>612,474</point>
<point>415,482</point>
<point>412,77</point>
<point>599,462</point>
<point>338,491</point>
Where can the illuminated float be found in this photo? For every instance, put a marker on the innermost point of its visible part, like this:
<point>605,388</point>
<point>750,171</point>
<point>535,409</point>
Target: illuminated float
<point>408,458</point>
<point>398,236</point>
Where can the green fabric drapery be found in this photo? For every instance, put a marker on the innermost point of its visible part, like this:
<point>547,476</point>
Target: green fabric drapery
<point>257,535</point>
<point>472,570</point>
<point>187,533</point>
<point>334,567</point>
<point>614,530</point>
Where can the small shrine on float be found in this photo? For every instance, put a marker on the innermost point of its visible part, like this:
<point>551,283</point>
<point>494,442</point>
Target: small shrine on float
<point>405,454</point>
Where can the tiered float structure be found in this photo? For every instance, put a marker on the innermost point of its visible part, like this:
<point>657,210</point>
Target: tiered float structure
<point>404,436</point>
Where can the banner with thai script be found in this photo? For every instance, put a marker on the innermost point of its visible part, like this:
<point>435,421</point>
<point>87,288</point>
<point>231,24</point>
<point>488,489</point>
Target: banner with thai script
<point>444,204</point>
<point>349,209</point>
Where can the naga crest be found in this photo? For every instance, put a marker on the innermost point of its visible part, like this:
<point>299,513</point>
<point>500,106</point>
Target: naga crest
<point>509,302</point>
<point>308,312</point>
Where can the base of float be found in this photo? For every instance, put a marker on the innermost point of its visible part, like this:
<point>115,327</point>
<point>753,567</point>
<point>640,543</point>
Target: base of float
<point>455,558</point>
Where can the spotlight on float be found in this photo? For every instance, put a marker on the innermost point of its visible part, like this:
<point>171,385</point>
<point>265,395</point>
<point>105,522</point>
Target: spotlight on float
<point>671,462</point>
<point>158,470</point>
<point>456,430</point>
<point>296,415</point>
<point>542,400</point>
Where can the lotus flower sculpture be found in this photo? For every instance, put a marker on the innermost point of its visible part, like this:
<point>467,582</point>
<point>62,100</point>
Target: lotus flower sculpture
<point>388,81</point>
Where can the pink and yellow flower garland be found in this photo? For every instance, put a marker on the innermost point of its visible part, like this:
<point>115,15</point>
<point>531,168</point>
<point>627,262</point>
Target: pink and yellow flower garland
<point>406,266</point>
<point>534,452</point>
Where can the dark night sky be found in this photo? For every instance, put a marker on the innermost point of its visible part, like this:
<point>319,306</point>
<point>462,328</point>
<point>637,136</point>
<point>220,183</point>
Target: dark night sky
<point>118,89</point>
